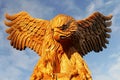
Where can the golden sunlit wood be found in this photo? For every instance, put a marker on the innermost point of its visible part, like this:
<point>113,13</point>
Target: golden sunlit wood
<point>61,42</point>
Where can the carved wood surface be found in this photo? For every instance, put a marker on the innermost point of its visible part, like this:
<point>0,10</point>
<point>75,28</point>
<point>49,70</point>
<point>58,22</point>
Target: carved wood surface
<point>61,42</point>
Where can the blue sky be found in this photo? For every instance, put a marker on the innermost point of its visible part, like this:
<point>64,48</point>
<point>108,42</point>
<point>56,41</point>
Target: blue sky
<point>18,65</point>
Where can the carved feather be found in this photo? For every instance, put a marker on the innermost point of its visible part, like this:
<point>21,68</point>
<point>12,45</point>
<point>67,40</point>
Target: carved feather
<point>96,27</point>
<point>22,27</point>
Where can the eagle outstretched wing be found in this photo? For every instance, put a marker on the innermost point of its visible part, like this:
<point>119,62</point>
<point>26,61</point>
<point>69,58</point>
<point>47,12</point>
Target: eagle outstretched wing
<point>26,31</point>
<point>92,33</point>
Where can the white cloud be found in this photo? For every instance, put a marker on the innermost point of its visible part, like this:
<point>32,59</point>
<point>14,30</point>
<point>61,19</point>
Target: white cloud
<point>16,64</point>
<point>94,5</point>
<point>116,13</point>
<point>8,71</point>
<point>108,70</point>
<point>109,2</point>
<point>35,8</point>
<point>114,70</point>
<point>71,6</point>
<point>72,9</point>
<point>102,77</point>
<point>91,8</point>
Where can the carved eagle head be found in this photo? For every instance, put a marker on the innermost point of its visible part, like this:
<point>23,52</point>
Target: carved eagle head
<point>63,27</point>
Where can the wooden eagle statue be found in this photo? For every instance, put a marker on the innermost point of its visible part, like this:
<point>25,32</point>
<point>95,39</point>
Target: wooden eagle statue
<point>61,42</point>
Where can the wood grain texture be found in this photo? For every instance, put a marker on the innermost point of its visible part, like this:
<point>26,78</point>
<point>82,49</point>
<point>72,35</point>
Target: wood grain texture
<point>26,31</point>
<point>61,42</point>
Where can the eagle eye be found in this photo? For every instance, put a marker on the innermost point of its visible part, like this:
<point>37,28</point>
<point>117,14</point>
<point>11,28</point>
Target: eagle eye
<point>63,27</point>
